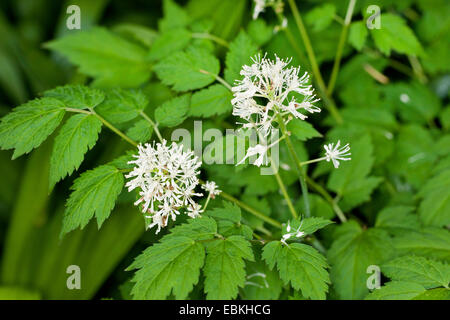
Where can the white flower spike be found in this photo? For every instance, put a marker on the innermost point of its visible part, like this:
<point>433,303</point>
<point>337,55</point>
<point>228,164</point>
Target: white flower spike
<point>262,94</point>
<point>334,153</point>
<point>166,177</point>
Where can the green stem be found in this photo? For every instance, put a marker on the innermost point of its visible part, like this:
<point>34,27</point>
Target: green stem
<point>278,177</point>
<point>114,129</point>
<point>417,69</point>
<point>210,37</point>
<point>251,210</point>
<point>315,67</point>
<point>207,201</point>
<point>291,38</point>
<point>312,161</point>
<point>78,110</point>
<point>296,160</point>
<point>218,78</point>
<point>340,48</point>
<point>106,123</point>
<point>153,124</point>
<point>328,198</point>
<point>284,191</point>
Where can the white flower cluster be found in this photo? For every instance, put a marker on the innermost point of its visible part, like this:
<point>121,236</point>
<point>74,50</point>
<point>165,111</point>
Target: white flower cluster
<point>334,153</point>
<point>271,81</point>
<point>267,94</point>
<point>166,177</point>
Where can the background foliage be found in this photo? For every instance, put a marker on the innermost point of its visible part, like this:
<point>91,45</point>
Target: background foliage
<point>144,56</point>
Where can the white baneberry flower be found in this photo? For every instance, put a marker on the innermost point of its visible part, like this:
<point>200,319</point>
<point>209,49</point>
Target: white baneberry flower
<point>194,210</point>
<point>262,94</point>
<point>259,150</point>
<point>212,188</point>
<point>166,177</point>
<point>334,153</point>
<point>260,5</point>
<point>296,233</point>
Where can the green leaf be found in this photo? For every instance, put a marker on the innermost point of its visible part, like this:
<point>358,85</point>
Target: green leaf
<point>433,243</point>
<point>428,273</point>
<point>415,102</point>
<point>308,225</point>
<point>321,17</point>
<point>445,117</point>
<point>173,112</point>
<point>170,266</point>
<point>262,282</point>
<point>434,294</point>
<point>414,156</point>
<point>395,34</point>
<point>101,54</point>
<point>77,96</point>
<point>397,290</point>
<point>353,251</point>
<point>319,207</point>
<point>229,220</point>
<point>434,209</point>
<point>302,130</point>
<point>169,42</point>
<point>122,105</point>
<point>398,219</point>
<point>259,31</point>
<point>301,265</point>
<point>357,169</point>
<point>141,131</point>
<point>202,228</point>
<point>230,212</point>
<point>94,193</point>
<point>194,68</point>
<point>242,49</point>
<point>358,34</point>
<point>18,293</point>
<point>213,100</point>
<point>78,135</point>
<point>137,32</point>
<point>28,125</point>
<point>358,192</point>
<point>225,268</point>
<point>174,16</point>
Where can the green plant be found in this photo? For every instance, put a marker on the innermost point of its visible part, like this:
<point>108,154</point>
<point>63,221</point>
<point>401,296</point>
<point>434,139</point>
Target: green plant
<point>305,231</point>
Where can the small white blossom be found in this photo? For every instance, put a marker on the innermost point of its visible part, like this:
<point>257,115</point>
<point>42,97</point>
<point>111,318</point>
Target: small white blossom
<point>297,233</point>
<point>404,98</point>
<point>262,94</point>
<point>259,150</point>
<point>334,153</point>
<point>166,177</point>
<point>194,210</point>
<point>212,188</point>
<point>259,7</point>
